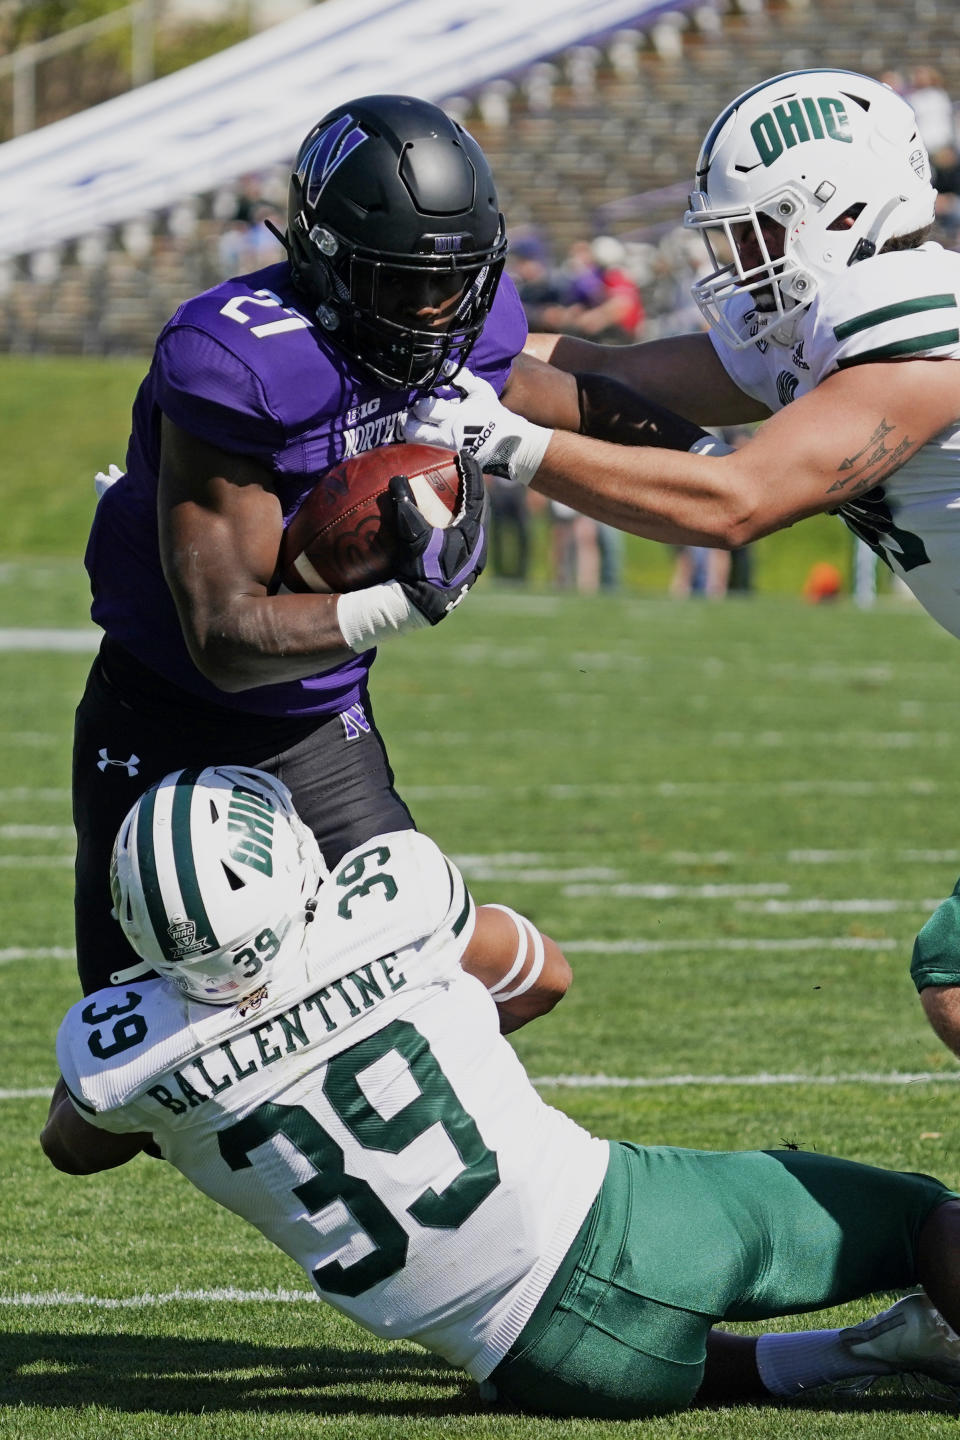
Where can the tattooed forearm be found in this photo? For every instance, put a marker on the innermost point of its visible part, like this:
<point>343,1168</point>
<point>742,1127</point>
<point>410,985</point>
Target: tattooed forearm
<point>873,463</point>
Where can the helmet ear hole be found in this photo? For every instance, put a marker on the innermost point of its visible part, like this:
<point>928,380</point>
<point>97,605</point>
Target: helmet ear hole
<point>233,879</point>
<point>849,217</point>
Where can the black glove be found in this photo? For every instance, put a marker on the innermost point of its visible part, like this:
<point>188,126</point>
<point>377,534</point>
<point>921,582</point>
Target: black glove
<point>437,567</point>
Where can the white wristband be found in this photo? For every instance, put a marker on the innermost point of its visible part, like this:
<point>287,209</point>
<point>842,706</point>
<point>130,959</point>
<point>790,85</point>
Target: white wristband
<point>521,954</point>
<point>525,451</point>
<point>499,993</point>
<point>368,616</point>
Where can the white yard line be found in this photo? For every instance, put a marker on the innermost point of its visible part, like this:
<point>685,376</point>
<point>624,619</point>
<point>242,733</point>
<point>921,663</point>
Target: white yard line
<point>633,946</point>
<point>762,1079</point>
<point>687,789</point>
<point>732,943</point>
<point>862,906</point>
<point>63,641</point>
<point>37,832</point>
<point>28,1300</point>
<point>679,1082</point>
<point>36,952</point>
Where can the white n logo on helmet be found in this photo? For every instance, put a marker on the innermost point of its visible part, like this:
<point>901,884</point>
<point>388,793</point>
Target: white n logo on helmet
<point>327,154</point>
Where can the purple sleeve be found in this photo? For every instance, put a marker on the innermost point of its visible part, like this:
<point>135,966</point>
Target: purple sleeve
<point>209,392</point>
<point>502,337</point>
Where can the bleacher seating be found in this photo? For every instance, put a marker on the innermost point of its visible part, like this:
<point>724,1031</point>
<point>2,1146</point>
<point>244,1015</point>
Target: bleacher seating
<point>567,142</point>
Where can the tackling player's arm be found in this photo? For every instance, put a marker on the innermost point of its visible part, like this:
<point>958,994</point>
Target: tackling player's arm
<point>858,427</point>
<point>682,373</point>
<point>220,529</point>
<point>76,1147</point>
<point>601,404</point>
<point>830,446</point>
<point>525,971</point>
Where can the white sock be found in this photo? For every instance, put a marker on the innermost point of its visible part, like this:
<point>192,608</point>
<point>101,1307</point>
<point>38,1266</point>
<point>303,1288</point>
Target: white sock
<point>803,1359</point>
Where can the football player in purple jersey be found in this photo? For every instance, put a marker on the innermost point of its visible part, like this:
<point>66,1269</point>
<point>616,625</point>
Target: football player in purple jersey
<point>393,280</point>
<point>395,247</point>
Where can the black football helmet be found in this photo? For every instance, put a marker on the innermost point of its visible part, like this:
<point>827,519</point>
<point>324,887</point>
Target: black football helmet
<point>395,236</point>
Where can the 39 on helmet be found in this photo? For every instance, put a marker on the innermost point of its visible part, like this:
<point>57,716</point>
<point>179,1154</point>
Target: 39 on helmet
<point>395,236</point>
<point>800,177</point>
<point>211,876</point>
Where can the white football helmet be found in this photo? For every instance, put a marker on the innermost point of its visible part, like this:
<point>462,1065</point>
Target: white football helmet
<point>835,161</point>
<point>211,877</point>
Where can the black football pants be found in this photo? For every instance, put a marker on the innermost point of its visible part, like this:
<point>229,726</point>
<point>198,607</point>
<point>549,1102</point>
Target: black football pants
<point>132,728</point>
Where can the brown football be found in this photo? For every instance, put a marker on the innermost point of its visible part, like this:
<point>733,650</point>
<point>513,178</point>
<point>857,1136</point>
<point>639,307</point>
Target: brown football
<point>343,536</point>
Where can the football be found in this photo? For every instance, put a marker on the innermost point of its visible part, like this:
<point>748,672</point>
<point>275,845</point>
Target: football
<point>343,536</point>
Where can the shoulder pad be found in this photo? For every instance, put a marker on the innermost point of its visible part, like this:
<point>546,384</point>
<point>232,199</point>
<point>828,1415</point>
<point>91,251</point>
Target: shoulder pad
<point>901,305</point>
<point>396,891</point>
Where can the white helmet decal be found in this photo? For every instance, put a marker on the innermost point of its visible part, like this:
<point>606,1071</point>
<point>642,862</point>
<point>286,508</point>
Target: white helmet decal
<point>800,177</point>
<point>211,876</point>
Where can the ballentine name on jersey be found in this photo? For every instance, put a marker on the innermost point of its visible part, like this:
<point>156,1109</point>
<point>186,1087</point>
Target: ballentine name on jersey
<point>303,1025</point>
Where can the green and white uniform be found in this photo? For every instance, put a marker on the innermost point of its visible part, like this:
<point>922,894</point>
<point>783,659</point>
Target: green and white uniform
<point>367,1117</point>
<point>903,305</point>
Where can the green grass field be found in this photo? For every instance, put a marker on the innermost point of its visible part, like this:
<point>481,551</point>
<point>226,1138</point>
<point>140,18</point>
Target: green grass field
<point>733,816</point>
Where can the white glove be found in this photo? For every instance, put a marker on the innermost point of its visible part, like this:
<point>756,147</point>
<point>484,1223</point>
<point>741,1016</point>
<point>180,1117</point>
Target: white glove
<point>102,482</point>
<point>502,443</point>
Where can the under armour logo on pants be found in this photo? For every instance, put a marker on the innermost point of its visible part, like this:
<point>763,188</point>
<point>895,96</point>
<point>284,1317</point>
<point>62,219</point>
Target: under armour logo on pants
<point>129,765</point>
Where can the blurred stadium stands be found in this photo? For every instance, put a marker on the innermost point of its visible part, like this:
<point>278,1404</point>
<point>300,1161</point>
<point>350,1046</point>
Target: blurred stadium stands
<point>591,115</point>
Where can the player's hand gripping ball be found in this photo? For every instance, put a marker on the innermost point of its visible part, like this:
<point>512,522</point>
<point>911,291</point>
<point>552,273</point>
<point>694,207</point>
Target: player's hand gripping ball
<point>437,567</point>
<point>345,534</point>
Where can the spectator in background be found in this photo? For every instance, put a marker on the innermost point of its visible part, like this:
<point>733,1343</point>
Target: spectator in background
<point>698,570</point>
<point>936,121</point>
<point>933,107</point>
<point>509,529</point>
<point>603,301</point>
<point>540,288</point>
<point>249,244</point>
<point>575,553</point>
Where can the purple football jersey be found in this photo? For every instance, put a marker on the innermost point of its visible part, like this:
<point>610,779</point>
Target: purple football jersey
<point>243,368</point>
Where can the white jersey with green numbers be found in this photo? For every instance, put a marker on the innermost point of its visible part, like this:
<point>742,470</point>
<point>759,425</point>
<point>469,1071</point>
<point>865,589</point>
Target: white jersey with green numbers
<point>904,305</point>
<point>364,1113</point>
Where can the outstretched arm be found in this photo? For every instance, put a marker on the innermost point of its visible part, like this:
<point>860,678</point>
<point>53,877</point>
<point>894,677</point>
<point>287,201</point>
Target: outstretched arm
<point>682,373</point>
<point>832,445</point>
<point>525,972</point>
<point>595,404</point>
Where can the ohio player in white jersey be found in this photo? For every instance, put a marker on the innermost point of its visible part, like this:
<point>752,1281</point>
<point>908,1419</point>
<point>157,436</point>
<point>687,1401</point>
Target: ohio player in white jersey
<point>831,316</point>
<point>323,1054</point>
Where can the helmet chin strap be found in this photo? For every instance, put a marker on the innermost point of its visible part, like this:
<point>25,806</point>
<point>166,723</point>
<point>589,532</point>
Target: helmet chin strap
<point>868,244</point>
<point>133,972</point>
